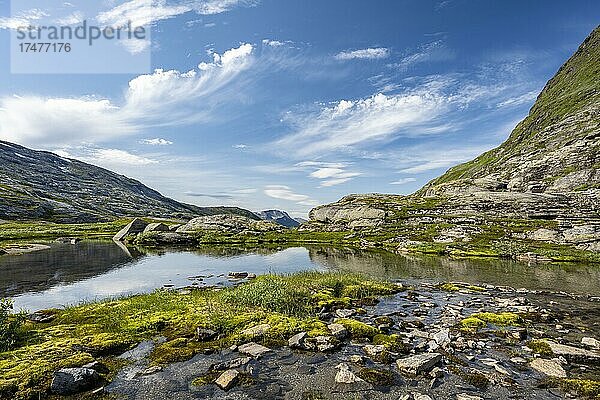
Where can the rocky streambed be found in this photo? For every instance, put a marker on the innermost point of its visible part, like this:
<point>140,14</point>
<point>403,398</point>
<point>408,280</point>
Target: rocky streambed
<point>430,341</point>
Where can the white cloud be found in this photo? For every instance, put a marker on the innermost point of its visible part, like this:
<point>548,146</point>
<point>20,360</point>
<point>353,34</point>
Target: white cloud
<point>148,12</point>
<point>286,193</point>
<point>240,146</point>
<point>274,43</point>
<point>23,19</point>
<point>163,98</point>
<point>330,173</point>
<point>349,123</point>
<point>72,19</point>
<point>363,54</point>
<point>403,181</point>
<point>140,13</point>
<point>108,158</point>
<point>522,99</point>
<point>429,52</point>
<point>156,142</point>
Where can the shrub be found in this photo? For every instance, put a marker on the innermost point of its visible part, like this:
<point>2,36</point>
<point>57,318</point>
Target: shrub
<point>10,325</point>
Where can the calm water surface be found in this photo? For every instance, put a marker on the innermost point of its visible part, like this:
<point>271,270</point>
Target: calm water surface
<point>68,274</point>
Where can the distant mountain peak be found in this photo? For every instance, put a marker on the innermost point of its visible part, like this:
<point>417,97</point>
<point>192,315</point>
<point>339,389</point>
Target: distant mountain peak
<point>278,216</point>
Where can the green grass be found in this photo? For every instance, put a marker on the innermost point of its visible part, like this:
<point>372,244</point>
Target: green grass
<point>79,334</point>
<point>45,230</point>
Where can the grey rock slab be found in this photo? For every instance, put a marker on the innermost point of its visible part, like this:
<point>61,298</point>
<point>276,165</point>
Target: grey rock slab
<point>156,227</point>
<point>419,363</point>
<point>133,228</point>
<point>338,331</point>
<point>552,368</point>
<point>345,375</point>
<point>574,353</point>
<point>204,335</point>
<point>253,349</point>
<point>297,341</point>
<point>227,379</point>
<point>257,331</point>
<point>73,380</point>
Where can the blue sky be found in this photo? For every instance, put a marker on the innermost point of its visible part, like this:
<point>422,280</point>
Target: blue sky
<point>289,104</point>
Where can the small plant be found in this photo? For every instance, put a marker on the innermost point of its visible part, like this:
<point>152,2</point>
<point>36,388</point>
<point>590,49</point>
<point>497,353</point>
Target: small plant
<point>10,325</point>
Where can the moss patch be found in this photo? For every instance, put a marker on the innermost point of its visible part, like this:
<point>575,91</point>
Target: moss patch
<point>540,347</point>
<point>358,329</point>
<point>583,387</point>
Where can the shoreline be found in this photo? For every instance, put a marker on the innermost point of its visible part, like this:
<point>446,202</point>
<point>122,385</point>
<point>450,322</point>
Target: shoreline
<point>383,323</point>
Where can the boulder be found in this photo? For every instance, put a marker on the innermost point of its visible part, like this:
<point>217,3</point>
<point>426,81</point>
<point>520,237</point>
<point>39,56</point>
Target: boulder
<point>464,396</point>
<point>238,275</point>
<point>345,375</point>
<point>227,379</point>
<point>339,331</point>
<point>257,331</point>
<point>418,364</point>
<point>232,364</point>
<point>325,343</point>
<point>69,381</point>
<point>551,368</point>
<point>297,341</point>
<point>204,335</point>
<point>228,223</point>
<point>156,227</point>
<point>574,354</point>
<point>133,228</point>
<point>591,342</point>
<point>345,313</point>
<point>253,349</point>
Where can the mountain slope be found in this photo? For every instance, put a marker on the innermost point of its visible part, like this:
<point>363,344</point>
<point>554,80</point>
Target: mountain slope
<point>43,185</point>
<point>537,193</point>
<point>556,147</point>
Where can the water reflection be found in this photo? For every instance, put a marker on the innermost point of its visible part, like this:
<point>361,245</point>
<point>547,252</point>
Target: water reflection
<point>573,278</point>
<point>69,274</point>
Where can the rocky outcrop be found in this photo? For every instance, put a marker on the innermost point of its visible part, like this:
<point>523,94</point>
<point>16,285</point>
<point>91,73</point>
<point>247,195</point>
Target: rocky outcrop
<point>235,224</point>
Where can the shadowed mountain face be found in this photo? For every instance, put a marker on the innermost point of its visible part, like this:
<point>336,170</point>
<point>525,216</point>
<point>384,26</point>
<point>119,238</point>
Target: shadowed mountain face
<point>43,185</point>
<point>541,185</point>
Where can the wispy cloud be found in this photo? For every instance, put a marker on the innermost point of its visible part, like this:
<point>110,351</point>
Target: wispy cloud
<point>163,98</point>
<point>363,54</point>
<point>148,12</point>
<point>286,193</point>
<point>156,142</point>
<point>429,52</point>
<point>72,19</point>
<point>218,196</point>
<point>352,122</point>
<point>23,19</point>
<point>330,174</point>
<point>525,98</point>
<point>403,181</point>
<point>108,158</point>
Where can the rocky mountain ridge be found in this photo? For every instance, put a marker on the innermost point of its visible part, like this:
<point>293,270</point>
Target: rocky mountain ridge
<point>38,185</point>
<point>541,186</point>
